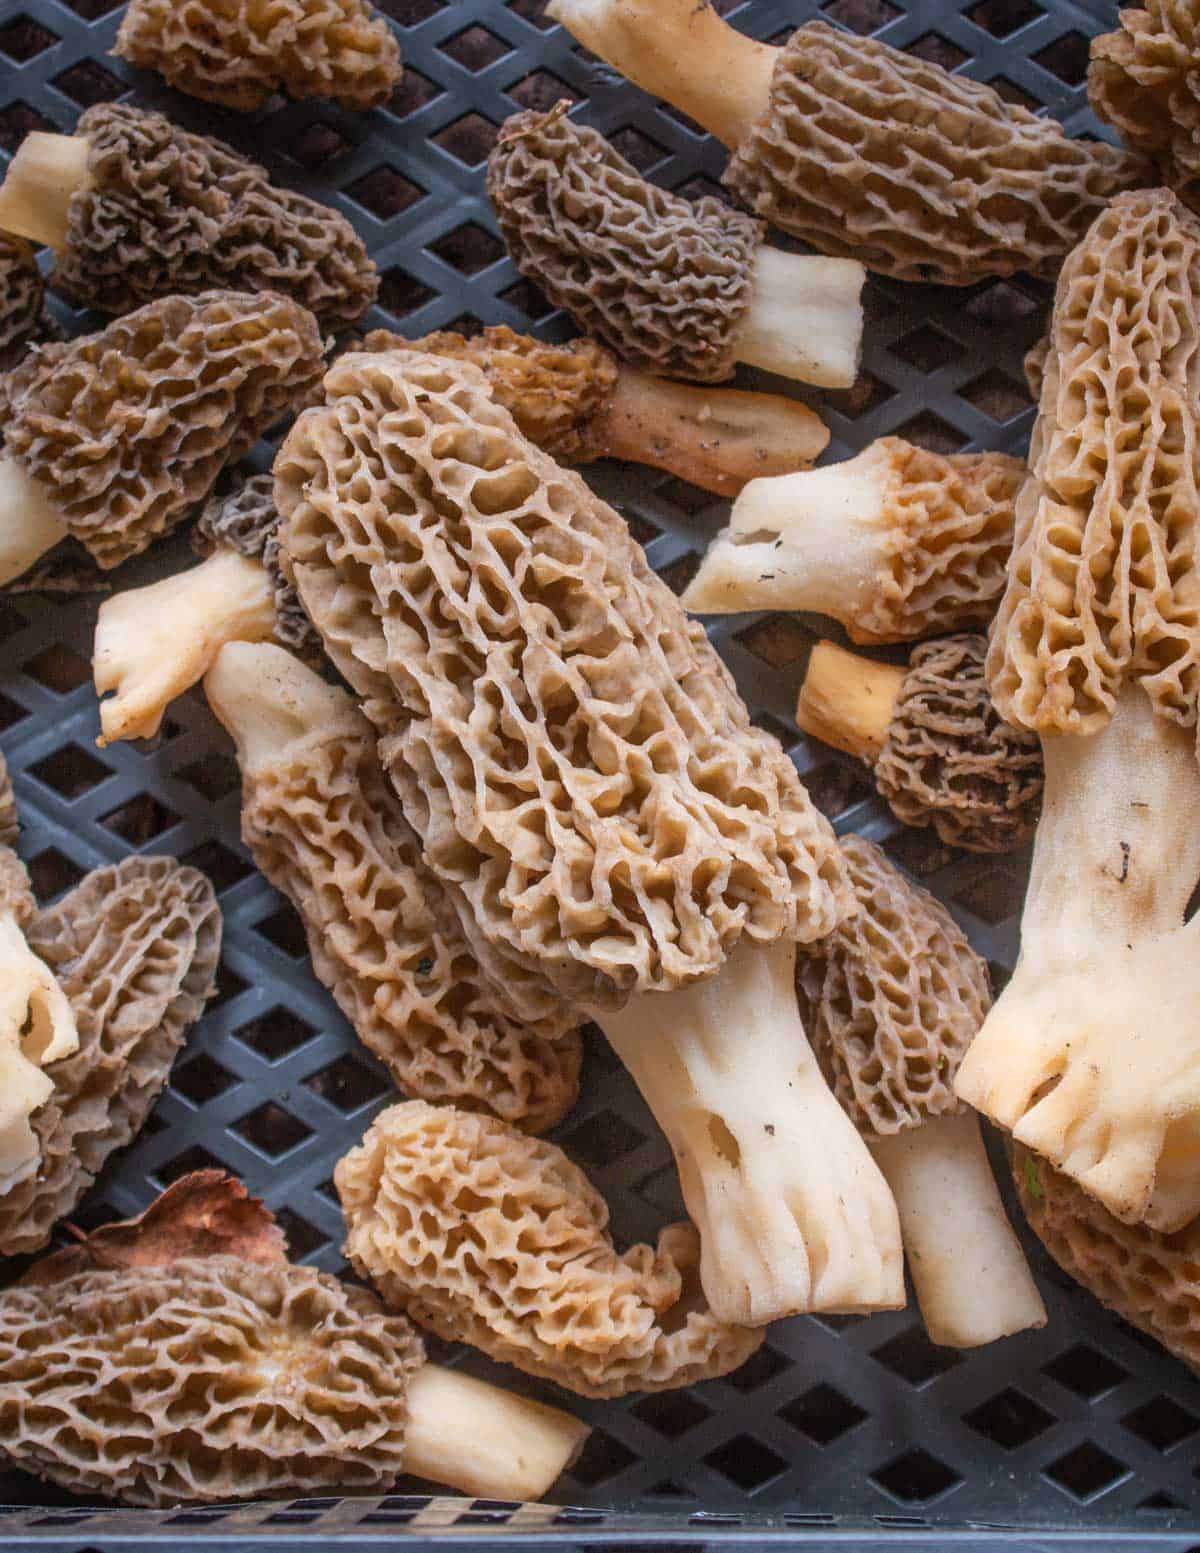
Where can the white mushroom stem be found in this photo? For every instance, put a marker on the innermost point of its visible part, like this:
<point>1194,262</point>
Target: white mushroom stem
<point>718,438</point>
<point>1091,1054</point>
<point>271,704</point>
<point>805,318</point>
<point>30,523</point>
<point>153,643</point>
<point>792,1211</point>
<point>681,51</point>
<point>818,540</point>
<point>849,701</point>
<point>44,175</point>
<point>483,1441</point>
<point>972,1280</point>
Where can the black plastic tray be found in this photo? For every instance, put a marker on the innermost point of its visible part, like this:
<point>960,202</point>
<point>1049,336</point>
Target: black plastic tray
<point>841,1431</point>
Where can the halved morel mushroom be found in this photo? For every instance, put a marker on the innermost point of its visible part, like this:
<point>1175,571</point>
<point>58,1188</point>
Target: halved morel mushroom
<point>488,1237</point>
<point>1142,80</point>
<point>587,785</point>
<point>137,209</point>
<point>241,52</point>
<point>895,543</point>
<point>940,753</point>
<point>863,150</point>
<point>678,288</point>
<point>578,402</point>
<point>1091,1055</point>
<point>326,829</point>
<point>181,1359</point>
<point>113,438</point>
<point>892,999</point>
<point>134,952</point>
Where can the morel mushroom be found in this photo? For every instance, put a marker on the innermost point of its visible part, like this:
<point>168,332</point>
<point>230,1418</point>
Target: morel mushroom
<point>134,949</point>
<point>1090,1056</point>
<point>113,438</point>
<point>137,209</point>
<point>241,54</point>
<point>153,643</point>
<point>488,1237</point>
<point>326,829</point>
<point>21,292</point>
<point>578,402</point>
<point>891,999</point>
<point>1143,81</point>
<point>863,150</point>
<point>205,1367</point>
<point>895,543</point>
<point>587,785</point>
<point>940,753</point>
<point>679,288</point>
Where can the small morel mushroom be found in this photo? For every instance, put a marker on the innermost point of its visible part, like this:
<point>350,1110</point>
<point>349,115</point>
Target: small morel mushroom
<point>21,293</point>
<point>1091,1055</point>
<point>1143,81</point>
<point>589,789</point>
<point>137,209</point>
<point>895,543</point>
<point>891,1000</point>
<point>153,643</point>
<point>679,288</point>
<point>863,150</point>
<point>114,438</point>
<point>205,1367</point>
<point>326,829</point>
<point>134,949</point>
<point>9,823</point>
<point>939,751</point>
<point>488,1237</point>
<point>241,52</point>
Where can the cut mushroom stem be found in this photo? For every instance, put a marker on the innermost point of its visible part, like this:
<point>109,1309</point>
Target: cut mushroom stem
<point>848,700</point>
<point>483,1441</point>
<point>681,51</point>
<point>972,1281</point>
<point>153,643</point>
<point>717,438</point>
<point>45,174</point>
<point>30,523</point>
<point>805,318</point>
<point>792,1211</point>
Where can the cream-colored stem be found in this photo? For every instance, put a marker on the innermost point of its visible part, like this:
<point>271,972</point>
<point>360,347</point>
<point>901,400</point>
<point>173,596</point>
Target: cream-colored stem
<point>792,1211</point>
<point>483,1441</point>
<point>272,704</point>
<point>805,318</point>
<point>718,438</point>
<point>43,177</point>
<point>681,51</point>
<point>153,643</point>
<point>30,523</point>
<point>848,701</point>
<point>972,1280</point>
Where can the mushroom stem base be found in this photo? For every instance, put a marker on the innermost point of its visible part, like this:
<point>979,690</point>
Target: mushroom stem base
<point>805,318</point>
<point>30,523</point>
<point>42,179</point>
<point>848,701</point>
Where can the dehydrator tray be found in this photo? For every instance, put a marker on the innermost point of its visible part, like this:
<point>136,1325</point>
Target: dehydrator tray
<point>849,1432</point>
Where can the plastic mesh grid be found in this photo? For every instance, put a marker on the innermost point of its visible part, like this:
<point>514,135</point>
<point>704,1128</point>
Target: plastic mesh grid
<point>1084,1424</point>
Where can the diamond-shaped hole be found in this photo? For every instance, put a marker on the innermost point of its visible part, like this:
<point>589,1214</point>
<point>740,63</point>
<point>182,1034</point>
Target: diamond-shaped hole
<point>671,1413</point>
<point>865,394</point>
<point>1086,1472</point>
<point>837,787</point>
<point>540,90</point>
<point>11,712</point>
<point>995,894</point>
<point>914,1358</point>
<point>759,1369</point>
<point>139,819</point>
<point>201,1078</point>
<point>384,192</point>
<point>746,1462</point>
<point>23,38</point>
<point>603,1139</point>
<point>637,148</point>
<point>70,771</point>
<point>927,349</point>
<point>687,497</point>
<point>1002,303</point>
<point>1010,1419</point>
<point>1159,1501</point>
<point>195,1158</point>
<point>916,1477</point>
<point>276,1033</point>
<point>271,1129</point>
<point>1002,17</point>
<point>1009,92</point>
<point>229,986</point>
<point>468,139</point>
<point>88,83</point>
<point>823,1414</point>
<point>1066,58</point>
<point>285,930</point>
<point>213,776</point>
<point>347,1084</point>
<point>222,865</point>
<point>526,296</point>
<point>936,50</point>
<point>929,431</point>
<point>919,852</point>
<point>475,48</point>
<point>468,249</point>
<point>997,395</point>
<point>1161,1422</point>
<point>679,573</point>
<point>316,146</point>
<point>59,669</point>
<point>401,293</point>
<point>416,91</point>
<point>602,1458</point>
<point>18,118</point>
<point>303,1238</point>
<point>861,16</point>
<point>778,640</point>
<point>50,873</point>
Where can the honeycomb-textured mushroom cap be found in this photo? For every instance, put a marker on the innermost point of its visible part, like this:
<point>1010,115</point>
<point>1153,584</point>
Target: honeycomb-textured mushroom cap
<point>566,743</point>
<point>891,999</point>
<point>1143,80</point>
<point>9,823</point>
<point>209,1380</point>
<point>951,761</point>
<point>666,282</point>
<point>239,54</point>
<point>16,893</point>
<point>874,154</point>
<point>166,211</point>
<point>1101,585</point>
<point>21,292</point>
<point>246,520</point>
<point>134,948</point>
<point>129,428</point>
<point>553,392</point>
<point>492,1238</point>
